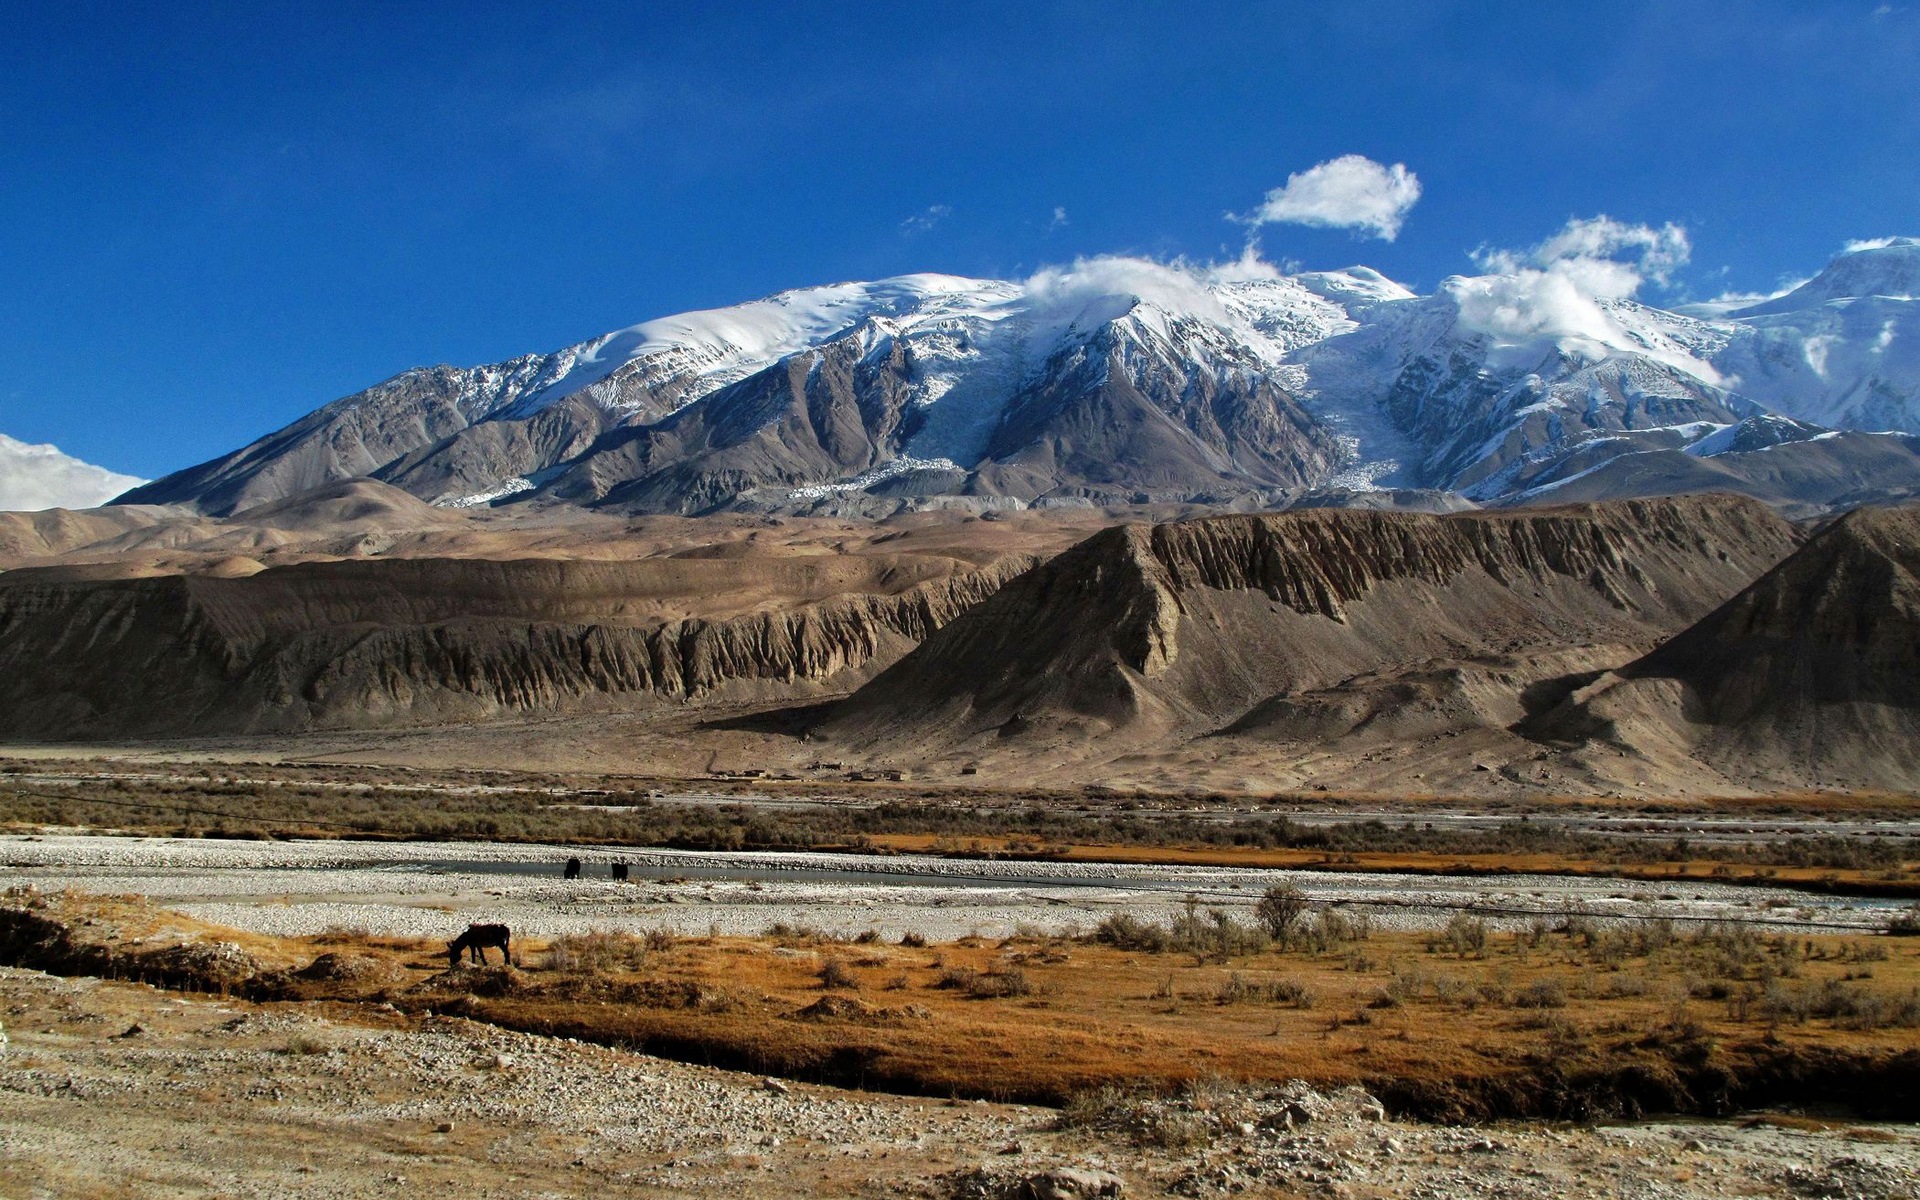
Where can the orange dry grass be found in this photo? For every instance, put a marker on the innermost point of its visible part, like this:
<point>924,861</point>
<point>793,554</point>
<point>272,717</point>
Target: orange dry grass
<point>1874,880</point>
<point>1100,1015</point>
<point>1533,1016</point>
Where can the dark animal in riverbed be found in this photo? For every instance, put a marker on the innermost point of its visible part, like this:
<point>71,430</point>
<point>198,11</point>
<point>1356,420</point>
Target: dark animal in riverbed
<point>619,872</point>
<point>573,868</point>
<point>475,942</point>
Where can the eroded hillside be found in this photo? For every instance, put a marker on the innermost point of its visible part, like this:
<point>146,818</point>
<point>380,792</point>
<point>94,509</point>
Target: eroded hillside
<point>1288,649</point>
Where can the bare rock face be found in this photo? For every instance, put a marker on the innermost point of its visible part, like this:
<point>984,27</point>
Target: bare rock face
<point>351,437</point>
<point>823,414</point>
<point>1123,418</point>
<point>1241,625</point>
<point>398,642</point>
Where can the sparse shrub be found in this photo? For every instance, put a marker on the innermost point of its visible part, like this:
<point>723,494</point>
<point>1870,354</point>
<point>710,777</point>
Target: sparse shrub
<point>1498,991</point>
<point>1231,938</point>
<point>1000,983</point>
<point>1237,989</point>
<point>913,940</point>
<point>1124,931</point>
<point>1150,1122</point>
<point>1579,929</point>
<point>1331,928</point>
<point>1467,935</point>
<point>1091,1108</point>
<point>867,937</point>
<point>956,979</point>
<point>1408,982</point>
<point>661,939</point>
<point>1278,909</point>
<point>836,974</point>
<point>596,951</point>
<point>1625,985</point>
<point>1849,1007</point>
<point>1542,993</point>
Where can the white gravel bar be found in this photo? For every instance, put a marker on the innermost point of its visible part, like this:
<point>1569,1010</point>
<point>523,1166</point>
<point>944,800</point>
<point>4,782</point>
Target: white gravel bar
<point>432,889</point>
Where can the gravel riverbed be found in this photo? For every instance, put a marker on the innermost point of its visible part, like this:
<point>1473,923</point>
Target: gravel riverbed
<point>431,889</point>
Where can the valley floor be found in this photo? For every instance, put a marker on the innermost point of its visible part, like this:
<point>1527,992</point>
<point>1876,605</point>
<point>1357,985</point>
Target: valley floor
<point>314,1041</point>
<point>114,1089</point>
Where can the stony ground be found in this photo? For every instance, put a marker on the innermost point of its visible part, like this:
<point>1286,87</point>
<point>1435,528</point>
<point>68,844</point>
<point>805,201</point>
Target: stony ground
<point>111,1089</point>
<point>432,889</point>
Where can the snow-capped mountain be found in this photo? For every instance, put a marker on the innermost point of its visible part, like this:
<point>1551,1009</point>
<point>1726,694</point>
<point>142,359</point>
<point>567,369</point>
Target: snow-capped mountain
<point>1842,349</point>
<point>1125,381</point>
<point>36,477</point>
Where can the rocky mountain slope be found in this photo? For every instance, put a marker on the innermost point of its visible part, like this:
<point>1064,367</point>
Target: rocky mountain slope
<point>357,605</point>
<point>1274,640</point>
<point>1121,381</point>
<point>1807,676</point>
<point>403,642</point>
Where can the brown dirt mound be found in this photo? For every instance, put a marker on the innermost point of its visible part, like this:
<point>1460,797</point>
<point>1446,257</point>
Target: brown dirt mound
<point>846,1008</point>
<point>1306,627</point>
<point>345,967</point>
<point>1806,677</point>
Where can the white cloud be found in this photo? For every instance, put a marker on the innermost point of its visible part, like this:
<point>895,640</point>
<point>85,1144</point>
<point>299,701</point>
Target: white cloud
<point>1727,302</point>
<point>1349,192</point>
<point>1250,265</point>
<point>926,219</point>
<point>1879,244</point>
<point>1096,290</point>
<point>1059,218</point>
<point>1607,257</point>
<point>1551,295</point>
<point>37,477</point>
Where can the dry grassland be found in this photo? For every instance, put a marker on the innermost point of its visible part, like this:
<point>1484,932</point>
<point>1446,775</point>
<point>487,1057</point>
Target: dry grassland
<point>1902,879</point>
<point>1565,1024</point>
<point>1571,1021</point>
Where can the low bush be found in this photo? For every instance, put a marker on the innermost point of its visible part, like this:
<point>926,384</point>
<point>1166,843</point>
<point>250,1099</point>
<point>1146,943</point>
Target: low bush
<point>596,951</point>
<point>836,974</point>
<point>1123,931</point>
<point>1238,989</point>
<point>1542,993</point>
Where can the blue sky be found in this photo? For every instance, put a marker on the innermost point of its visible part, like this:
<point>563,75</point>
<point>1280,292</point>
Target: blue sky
<point>213,221</point>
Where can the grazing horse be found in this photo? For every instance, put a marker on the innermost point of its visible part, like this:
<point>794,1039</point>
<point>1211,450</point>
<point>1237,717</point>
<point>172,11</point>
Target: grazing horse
<point>619,872</point>
<point>573,868</point>
<point>475,942</point>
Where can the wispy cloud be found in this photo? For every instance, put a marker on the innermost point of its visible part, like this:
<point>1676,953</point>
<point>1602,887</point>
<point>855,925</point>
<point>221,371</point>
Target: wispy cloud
<point>1552,292</point>
<point>1605,257</point>
<point>1880,243</point>
<point>926,219</point>
<point>1349,192</point>
<point>1059,219</point>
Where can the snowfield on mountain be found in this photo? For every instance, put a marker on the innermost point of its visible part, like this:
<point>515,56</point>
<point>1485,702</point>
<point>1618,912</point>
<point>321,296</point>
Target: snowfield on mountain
<point>1123,381</point>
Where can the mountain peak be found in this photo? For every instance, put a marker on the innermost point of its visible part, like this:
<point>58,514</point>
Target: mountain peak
<point>1882,267</point>
<point>1108,380</point>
